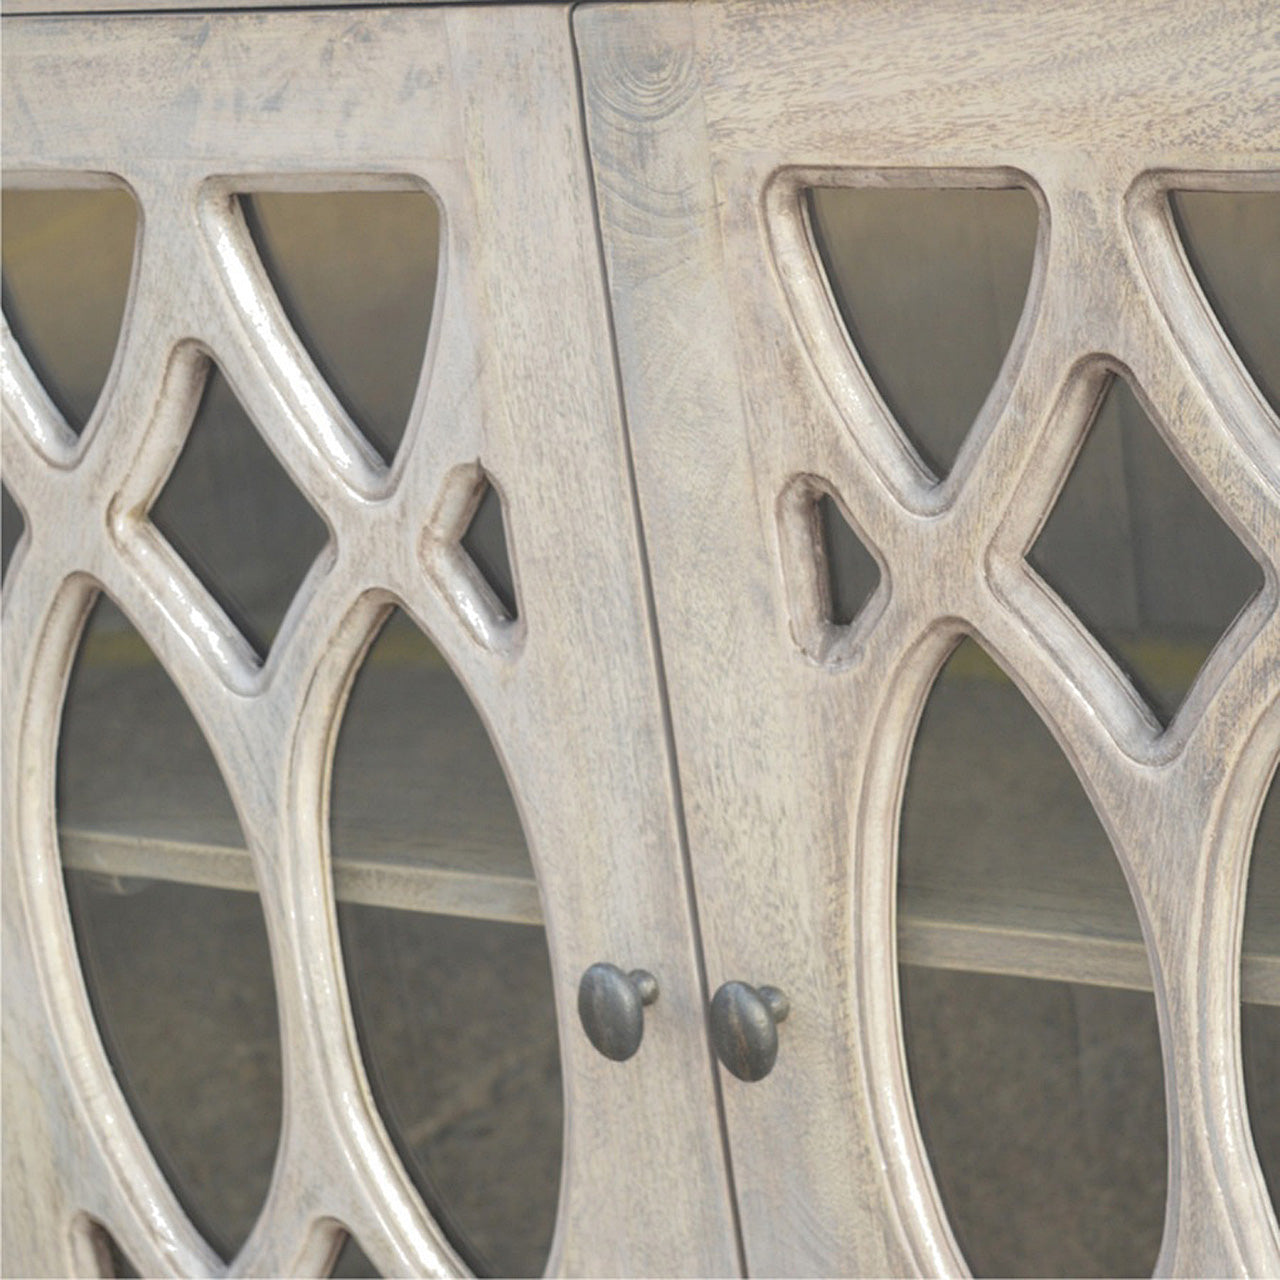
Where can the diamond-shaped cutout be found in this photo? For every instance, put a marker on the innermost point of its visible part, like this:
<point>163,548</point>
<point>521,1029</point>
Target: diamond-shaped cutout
<point>355,272</point>
<point>233,514</point>
<point>485,542</point>
<point>1232,241</point>
<point>12,527</point>
<point>931,285</point>
<point>67,262</point>
<point>848,570</point>
<point>1138,552</point>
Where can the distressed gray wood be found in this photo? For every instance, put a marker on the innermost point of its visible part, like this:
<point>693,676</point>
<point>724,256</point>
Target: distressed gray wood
<point>793,738</point>
<point>481,110</point>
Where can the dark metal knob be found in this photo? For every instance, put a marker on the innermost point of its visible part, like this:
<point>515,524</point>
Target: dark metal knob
<point>611,1006</point>
<point>744,1028</point>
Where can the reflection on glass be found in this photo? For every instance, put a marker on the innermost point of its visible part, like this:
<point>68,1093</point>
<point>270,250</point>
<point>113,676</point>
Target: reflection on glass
<point>356,273</point>
<point>233,514</point>
<point>1041,1102</point>
<point>1232,240</point>
<point>179,975</point>
<point>1259,1023</point>
<point>67,259</point>
<point>931,284</point>
<point>455,1016</point>
<point>1141,556</point>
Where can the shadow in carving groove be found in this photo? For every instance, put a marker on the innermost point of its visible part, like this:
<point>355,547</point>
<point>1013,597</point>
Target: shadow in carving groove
<point>351,1263</point>
<point>485,541</point>
<point>111,1259</point>
<point>852,572</point>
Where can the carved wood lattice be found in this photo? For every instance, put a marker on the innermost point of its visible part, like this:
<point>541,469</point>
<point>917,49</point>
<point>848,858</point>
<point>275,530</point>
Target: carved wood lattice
<point>706,124</point>
<point>519,391</point>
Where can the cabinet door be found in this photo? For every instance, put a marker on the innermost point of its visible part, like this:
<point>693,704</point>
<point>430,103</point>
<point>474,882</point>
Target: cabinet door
<point>479,109</point>
<point>793,728</point>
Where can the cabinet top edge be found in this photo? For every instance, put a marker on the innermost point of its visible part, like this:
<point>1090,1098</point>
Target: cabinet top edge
<point>117,8</point>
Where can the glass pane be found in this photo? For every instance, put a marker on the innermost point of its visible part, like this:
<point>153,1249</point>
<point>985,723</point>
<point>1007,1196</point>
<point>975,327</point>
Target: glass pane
<point>455,1013</point>
<point>931,284</point>
<point>356,273</point>
<point>1042,1108</point>
<point>1232,240</point>
<point>67,260</point>
<point>231,511</point>
<point>179,975</point>
<point>1260,1023</point>
<point>1142,557</point>
<point>1041,1102</point>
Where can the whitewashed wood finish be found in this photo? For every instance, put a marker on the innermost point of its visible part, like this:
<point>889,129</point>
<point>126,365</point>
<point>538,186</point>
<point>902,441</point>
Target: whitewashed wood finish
<point>705,123</point>
<point>519,381</point>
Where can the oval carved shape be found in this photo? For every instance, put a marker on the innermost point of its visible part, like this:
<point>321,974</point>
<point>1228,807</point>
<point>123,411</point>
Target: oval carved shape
<point>446,961</point>
<point>178,974</point>
<point>1037,1077</point>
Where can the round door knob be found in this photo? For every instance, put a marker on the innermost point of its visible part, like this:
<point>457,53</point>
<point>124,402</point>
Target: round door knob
<point>744,1028</point>
<point>611,1006</point>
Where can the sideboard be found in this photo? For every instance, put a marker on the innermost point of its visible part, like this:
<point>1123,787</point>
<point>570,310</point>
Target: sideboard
<point>635,344</point>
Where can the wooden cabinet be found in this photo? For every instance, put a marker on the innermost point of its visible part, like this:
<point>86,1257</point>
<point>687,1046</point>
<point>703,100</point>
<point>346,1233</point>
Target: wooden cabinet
<point>636,346</point>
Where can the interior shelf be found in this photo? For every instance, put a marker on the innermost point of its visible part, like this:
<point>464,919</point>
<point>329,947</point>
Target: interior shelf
<point>423,820</point>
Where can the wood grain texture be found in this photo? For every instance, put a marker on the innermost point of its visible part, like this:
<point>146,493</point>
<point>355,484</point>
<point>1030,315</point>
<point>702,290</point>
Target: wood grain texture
<point>706,122</point>
<point>519,387</point>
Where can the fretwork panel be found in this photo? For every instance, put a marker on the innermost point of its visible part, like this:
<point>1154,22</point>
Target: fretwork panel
<point>745,399</point>
<point>519,393</point>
